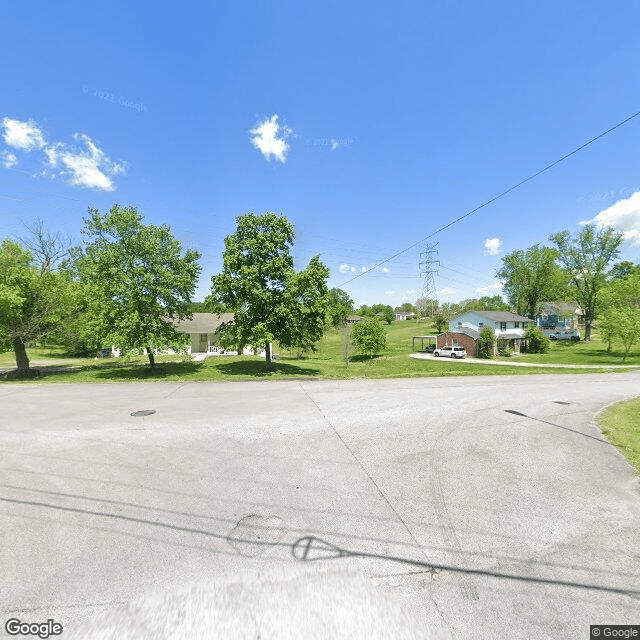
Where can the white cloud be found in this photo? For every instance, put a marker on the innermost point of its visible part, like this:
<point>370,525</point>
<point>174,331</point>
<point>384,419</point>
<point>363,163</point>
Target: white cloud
<point>404,298</point>
<point>25,136</point>
<point>8,159</point>
<point>90,168</point>
<point>447,291</point>
<point>363,269</point>
<point>623,216</point>
<point>492,246</point>
<point>385,270</point>
<point>85,167</point>
<point>265,138</point>
<point>496,286</point>
<point>344,268</point>
<point>389,293</point>
<point>410,291</point>
<point>353,268</point>
<point>334,144</point>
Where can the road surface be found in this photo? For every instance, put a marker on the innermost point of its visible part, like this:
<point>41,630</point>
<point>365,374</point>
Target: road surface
<point>406,508</point>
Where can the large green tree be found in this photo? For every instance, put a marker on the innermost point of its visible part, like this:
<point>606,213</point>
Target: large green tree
<point>369,337</point>
<point>269,299</point>
<point>619,317</point>
<point>340,305</point>
<point>140,279</point>
<point>623,270</point>
<point>586,258</point>
<point>33,302</point>
<point>530,277</point>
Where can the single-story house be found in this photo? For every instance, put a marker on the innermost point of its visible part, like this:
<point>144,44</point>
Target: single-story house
<point>203,330</point>
<point>204,333</point>
<point>567,315</point>
<point>404,315</point>
<point>465,329</point>
<point>352,319</point>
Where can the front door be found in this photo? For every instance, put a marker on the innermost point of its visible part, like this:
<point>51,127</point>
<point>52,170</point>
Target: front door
<point>204,343</point>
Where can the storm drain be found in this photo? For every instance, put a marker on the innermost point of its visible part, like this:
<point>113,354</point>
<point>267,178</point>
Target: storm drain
<point>143,412</point>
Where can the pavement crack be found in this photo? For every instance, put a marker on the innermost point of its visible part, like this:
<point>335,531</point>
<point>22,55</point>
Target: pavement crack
<point>364,470</point>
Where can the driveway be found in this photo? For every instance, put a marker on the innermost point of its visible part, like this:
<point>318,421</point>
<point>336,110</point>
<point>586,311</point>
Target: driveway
<point>408,508</point>
<point>515,363</point>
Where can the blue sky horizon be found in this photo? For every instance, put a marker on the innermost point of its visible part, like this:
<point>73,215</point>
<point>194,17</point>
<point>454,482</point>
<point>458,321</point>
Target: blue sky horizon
<point>369,128</point>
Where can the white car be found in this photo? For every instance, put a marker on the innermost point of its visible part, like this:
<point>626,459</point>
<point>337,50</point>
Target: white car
<point>451,352</point>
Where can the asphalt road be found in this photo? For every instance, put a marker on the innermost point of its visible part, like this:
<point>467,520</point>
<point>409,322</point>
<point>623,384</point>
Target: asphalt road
<point>426,508</point>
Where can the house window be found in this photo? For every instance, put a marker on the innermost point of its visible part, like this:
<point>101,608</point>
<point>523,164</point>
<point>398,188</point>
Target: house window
<point>516,325</point>
<point>480,324</point>
<point>503,326</point>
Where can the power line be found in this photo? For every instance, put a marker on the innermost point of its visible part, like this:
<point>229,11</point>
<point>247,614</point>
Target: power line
<point>500,195</point>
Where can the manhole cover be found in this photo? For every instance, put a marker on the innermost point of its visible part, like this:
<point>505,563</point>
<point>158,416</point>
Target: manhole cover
<point>143,412</point>
<point>255,535</point>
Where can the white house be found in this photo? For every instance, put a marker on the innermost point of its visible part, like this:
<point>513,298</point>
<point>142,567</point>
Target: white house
<point>508,327</point>
<point>404,315</point>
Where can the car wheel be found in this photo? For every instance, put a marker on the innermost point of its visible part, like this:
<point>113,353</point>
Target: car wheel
<point>435,354</point>
<point>453,355</point>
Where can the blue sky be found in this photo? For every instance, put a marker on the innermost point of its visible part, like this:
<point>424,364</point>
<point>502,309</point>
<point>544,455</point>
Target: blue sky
<point>369,127</point>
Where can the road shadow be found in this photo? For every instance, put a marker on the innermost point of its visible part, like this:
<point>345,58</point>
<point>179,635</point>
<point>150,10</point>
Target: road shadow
<point>262,369</point>
<point>310,548</point>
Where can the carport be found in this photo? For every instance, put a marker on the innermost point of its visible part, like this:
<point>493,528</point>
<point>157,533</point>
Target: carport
<point>422,339</point>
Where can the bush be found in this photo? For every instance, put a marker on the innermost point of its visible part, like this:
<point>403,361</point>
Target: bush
<point>505,352</point>
<point>536,341</point>
<point>369,337</point>
<point>486,340</point>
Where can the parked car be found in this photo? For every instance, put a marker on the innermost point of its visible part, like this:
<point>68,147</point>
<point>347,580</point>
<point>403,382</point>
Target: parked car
<point>451,352</point>
<point>563,334</point>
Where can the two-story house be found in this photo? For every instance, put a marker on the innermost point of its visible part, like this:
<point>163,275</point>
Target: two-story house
<point>465,329</point>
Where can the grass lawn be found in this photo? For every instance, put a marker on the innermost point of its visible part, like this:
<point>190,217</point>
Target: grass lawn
<point>327,362</point>
<point>593,352</point>
<point>621,425</point>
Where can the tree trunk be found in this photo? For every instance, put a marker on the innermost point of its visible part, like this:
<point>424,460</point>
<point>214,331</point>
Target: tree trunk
<point>152,360</point>
<point>587,331</point>
<point>267,352</point>
<point>22,360</point>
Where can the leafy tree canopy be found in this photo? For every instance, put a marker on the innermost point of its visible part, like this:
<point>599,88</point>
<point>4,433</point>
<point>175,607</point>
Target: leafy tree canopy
<point>33,302</point>
<point>531,277</point>
<point>622,270</point>
<point>140,278</point>
<point>369,337</point>
<point>586,258</point>
<point>269,299</point>
<point>340,305</point>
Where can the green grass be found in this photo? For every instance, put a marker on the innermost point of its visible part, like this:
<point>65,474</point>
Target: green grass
<point>593,352</point>
<point>327,362</point>
<point>621,425</point>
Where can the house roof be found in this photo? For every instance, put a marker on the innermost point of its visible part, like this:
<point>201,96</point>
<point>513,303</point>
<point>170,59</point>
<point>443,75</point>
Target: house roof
<point>468,331</point>
<point>500,316</point>
<point>506,335</point>
<point>355,318</point>
<point>202,322</point>
<point>561,308</point>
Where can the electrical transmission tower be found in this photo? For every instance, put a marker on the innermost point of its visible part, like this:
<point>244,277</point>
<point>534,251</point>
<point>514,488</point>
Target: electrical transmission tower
<point>428,271</point>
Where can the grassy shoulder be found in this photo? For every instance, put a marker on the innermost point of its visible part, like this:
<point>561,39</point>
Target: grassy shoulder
<point>620,423</point>
<point>326,363</point>
<point>593,352</point>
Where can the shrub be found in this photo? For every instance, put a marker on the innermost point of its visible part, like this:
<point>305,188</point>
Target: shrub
<point>505,352</point>
<point>369,337</point>
<point>536,341</point>
<point>486,340</point>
